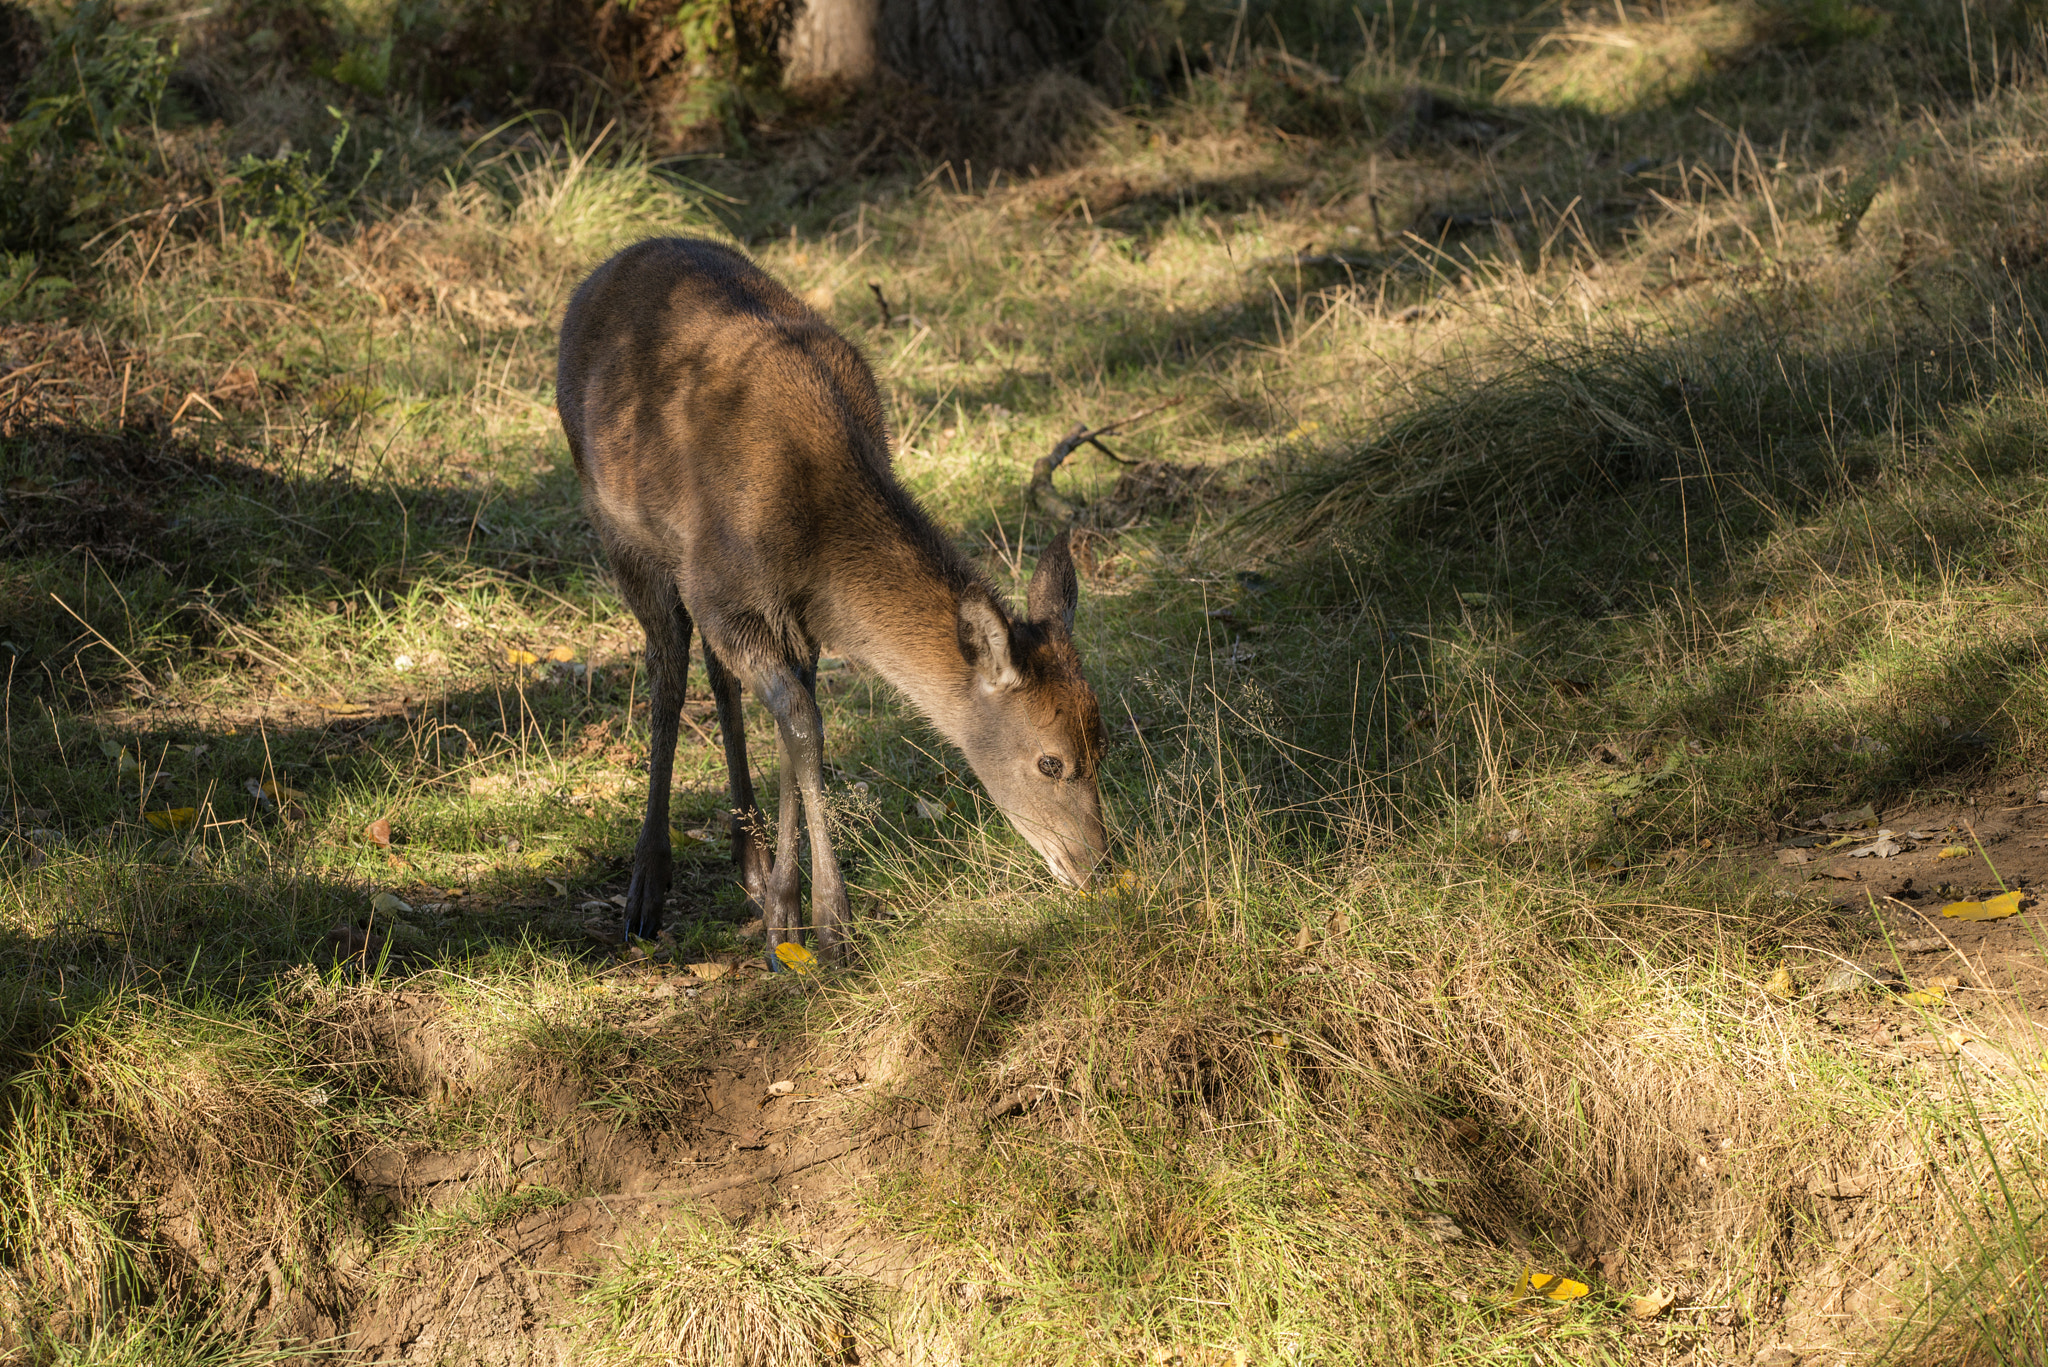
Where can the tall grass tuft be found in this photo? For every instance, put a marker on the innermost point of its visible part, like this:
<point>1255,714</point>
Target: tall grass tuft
<point>705,1295</point>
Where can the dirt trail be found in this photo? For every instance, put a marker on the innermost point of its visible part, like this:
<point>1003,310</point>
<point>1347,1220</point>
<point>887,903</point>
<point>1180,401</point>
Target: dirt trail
<point>507,1293</point>
<point>1938,854</point>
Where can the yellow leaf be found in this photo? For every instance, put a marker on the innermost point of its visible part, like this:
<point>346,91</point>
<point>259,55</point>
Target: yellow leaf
<point>709,972</point>
<point>562,654</point>
<point>1781,985</point>
<point>515,656</point>
<point>280,794</point>
<point>172,819</point>
<point>796,958</point>
<point>1954,852</point>
<point>1122,881</point>
<point>1931,995</point>
<point>1990,909</point>
<point>389,904</point>
<point>1274,1040</point>
<point>1652,1304</point>
<point>1550,1286</point>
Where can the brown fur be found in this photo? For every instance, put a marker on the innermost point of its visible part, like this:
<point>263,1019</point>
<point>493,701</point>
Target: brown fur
<point>735,460</point>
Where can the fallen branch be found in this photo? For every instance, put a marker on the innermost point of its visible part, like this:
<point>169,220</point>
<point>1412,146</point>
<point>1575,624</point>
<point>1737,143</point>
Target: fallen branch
<point>1038,489</point>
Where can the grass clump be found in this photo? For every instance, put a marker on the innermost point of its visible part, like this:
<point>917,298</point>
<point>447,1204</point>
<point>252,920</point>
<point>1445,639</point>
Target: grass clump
<point>703,1295</point>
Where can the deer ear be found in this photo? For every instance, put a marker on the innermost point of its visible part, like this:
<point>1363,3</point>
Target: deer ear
<point>984,630</point>
<point>1054,591</point>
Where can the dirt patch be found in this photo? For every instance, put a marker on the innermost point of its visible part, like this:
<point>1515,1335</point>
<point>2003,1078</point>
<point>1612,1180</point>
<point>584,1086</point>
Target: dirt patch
<point>767,1131</point>
<point>1904,864</point>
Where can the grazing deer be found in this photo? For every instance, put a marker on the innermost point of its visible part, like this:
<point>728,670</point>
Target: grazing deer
<point>734,458</point>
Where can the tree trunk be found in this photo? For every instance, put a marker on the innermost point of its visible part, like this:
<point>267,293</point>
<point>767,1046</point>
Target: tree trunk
<point>956,47</point>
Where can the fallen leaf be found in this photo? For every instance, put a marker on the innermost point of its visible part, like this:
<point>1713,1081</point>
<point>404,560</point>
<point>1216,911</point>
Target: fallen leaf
<point>1304,937</point>
<point>390,904</point>
<point>781,1088</point>
<point>1781,985</point>
<point>709,972</point>
<point>402,663</point>
<point>1792,859</point>
<point>557,884</point>
<point>1884,847</point>
<point>1861,819</point>
<point>1274,1040</point>
<point>379,832</point>
<point>1550,1286</point>
<point>1990,909</point>
<point>1339,924</point>
<point>515,656</point>
<point>562,654</point>
<point>1931,995</point>
<point>1652,1304</point>
<point>796,958</point>
<point>929,810</point>
<point>1601,864</point>
<point>1441,1227</point>
<point>1954,852</point>
<point>172,819</point>
<point>279,793</point>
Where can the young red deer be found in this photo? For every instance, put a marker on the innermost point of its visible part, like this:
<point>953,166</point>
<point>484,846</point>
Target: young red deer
<point>734,458</point>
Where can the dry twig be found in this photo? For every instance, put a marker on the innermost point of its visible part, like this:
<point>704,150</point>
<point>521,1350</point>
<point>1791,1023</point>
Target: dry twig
<point>1039,491</point>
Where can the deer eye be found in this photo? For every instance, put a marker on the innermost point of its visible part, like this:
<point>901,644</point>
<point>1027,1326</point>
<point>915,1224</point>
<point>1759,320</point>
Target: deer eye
<point>1050,766</point>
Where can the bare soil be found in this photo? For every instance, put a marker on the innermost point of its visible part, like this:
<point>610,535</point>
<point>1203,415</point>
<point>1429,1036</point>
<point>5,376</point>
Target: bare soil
<point>1986,842</point>
<point>507,1293</point>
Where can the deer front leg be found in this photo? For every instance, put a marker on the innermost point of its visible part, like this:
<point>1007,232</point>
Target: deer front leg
<point>749,847</point>
<point>789,694</point>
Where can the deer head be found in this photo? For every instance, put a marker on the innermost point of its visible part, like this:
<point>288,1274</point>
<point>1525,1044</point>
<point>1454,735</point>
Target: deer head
<point>1031,728</point>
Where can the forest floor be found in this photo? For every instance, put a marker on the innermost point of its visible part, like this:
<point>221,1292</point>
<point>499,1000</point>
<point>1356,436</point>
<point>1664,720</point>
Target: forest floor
<point>1564,596</point>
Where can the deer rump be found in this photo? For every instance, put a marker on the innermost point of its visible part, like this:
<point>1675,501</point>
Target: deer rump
<point>734,458</point>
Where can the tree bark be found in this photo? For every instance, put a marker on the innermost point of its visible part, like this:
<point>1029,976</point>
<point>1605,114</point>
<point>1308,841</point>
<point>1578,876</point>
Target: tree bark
<point>956,47</point>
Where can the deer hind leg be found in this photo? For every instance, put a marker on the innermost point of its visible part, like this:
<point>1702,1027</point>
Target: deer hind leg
<point>655,601</point>
<point>749,828</point>
<point>789,692</point>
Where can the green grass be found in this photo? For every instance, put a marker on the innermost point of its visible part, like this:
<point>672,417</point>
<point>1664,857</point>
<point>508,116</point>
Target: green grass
<point>1596,479</point>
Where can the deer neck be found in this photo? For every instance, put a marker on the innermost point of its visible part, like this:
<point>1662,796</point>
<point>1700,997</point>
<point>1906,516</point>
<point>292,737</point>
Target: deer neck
<point>902,621</point>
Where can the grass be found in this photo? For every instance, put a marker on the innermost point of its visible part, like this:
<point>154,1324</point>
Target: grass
<point>703,1295</point>
<point>1627,448</point>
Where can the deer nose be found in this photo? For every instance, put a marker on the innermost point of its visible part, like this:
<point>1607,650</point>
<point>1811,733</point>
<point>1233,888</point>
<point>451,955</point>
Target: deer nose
<point>1077,873</point>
